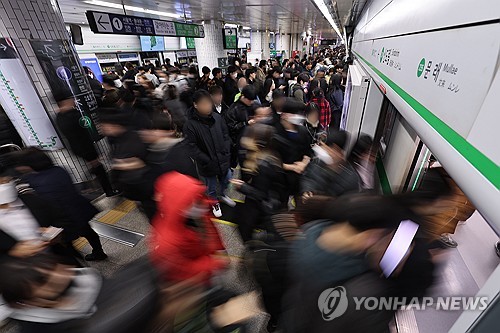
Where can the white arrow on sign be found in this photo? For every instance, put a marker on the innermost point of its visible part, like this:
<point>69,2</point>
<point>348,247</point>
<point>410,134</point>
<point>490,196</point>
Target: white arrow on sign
<point>3,47</point>
<point>103,23</point>
<point>117,23</point>
<point>48,48</point>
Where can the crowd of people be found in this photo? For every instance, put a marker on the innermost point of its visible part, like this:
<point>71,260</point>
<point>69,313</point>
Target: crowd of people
<point>311,219</point>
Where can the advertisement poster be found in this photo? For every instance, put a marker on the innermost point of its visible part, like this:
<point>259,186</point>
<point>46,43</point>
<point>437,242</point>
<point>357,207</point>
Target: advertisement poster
<point>93,64</point>
<point>152,43</point>
<point>21,102</point>
<point>67,80</point>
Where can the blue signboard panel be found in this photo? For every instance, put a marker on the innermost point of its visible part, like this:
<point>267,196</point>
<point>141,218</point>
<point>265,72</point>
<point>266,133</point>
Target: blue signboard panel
<point>94,66</point>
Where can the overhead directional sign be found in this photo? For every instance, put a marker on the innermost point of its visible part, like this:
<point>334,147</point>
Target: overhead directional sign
<point>106,23</point>
<point>230,38</point>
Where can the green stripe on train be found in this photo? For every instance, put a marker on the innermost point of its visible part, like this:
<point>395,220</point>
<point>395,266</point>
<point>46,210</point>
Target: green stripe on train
<point>481,162</point>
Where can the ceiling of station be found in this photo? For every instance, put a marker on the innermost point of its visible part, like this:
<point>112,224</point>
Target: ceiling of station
<point>286,16</point>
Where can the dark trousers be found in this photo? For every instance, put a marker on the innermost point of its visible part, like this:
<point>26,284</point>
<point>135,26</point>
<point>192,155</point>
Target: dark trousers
<point>93,239</point>
<point>248,215</point>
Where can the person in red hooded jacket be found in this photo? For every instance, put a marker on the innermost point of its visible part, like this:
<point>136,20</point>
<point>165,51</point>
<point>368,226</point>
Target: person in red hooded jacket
<point>185,243</point>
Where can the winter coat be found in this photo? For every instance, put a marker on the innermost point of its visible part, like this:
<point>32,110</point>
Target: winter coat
<point>56,186</point>
<point>319,178</point>
<point>230,90</point>
<point>209,143</point>
<point>183,248</point>
<point>236,119</point>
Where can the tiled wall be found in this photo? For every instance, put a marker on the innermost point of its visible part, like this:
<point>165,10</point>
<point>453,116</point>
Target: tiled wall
<point>22,20</point>
<point>256,43</point>
<point>211,47</point>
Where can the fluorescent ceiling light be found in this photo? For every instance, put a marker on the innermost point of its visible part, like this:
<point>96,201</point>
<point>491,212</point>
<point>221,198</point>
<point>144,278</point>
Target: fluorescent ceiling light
<point>247,28</point>
<point>230,25</point>
<point>131,8</point>
<point>326,13</point>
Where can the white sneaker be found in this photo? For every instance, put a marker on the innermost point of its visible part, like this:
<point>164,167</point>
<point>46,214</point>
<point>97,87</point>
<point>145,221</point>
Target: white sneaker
<point>216,210</point>
<point>228,201</point>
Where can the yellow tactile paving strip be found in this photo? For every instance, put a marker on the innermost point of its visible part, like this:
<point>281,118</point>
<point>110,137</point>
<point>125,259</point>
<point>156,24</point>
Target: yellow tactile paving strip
<point>111,217</point>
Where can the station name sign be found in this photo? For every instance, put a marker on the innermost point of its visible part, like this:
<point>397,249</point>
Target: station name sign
<point>107,23</point>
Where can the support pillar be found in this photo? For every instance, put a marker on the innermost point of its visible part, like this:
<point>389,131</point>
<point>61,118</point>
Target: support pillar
<point>25,20</point>
<point>211,47</point>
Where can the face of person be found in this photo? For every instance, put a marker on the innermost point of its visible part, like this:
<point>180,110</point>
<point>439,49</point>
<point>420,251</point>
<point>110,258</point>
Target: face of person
<point>217,99</point>
<point>242,83</point>
<point>262,114</point>
<point>253,76</point>
<point>48,293</point>
<point>153,135</point>
<point>219,75</point>
<point>313,117</point>
<point>204,106</point>
<point>234,75</point>
<point>276,75</point>
<point>309,66</point>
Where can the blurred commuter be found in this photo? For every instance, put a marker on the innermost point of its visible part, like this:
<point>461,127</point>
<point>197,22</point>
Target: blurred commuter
<point>55,185</point>
<point>299,90</point>
<point>81,144</point>
<point>130,72</point>
<point>185,242</point>
<point>209,142</point>
<point>319,99</point>
<point>312,124</point>
<point>251,76</point>
<point>204,81</point>
<point>111,93</point>
<point>231,85</point>
<point>362,158</point>
<point>330,173</point>
<point>292,143</point>
<point>266,96</point>
<point>336,95</point>
<point>262,172</point>
<point>217,77</point>
<point>217,98</point>
<point>261,72</point>
<point>128,154</point>
<point>95,85</point>
<point>238,117</point>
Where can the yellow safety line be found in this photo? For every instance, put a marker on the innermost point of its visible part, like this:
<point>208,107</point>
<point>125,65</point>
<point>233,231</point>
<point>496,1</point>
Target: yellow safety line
<point>224,222</point>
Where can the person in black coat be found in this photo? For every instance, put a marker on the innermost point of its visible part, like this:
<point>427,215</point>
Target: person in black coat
<point>209,142</point>
<point>330,174</point>
<point>263,172</point>
<point>95,85</point>
<point>217,98</point>
<point>130,73</point>
<point>231,85</point>
<point>165,153</point>
<point>23,217</point>
<point>55,185</point>
<point>292,143</point>
<point>237,118</point>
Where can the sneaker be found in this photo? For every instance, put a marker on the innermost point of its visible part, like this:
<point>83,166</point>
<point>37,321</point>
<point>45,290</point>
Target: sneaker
<point>216,210</point>
<point>447,241</point>
<point>497,248</point>
<point>96,256</point>
<point>228,201</point>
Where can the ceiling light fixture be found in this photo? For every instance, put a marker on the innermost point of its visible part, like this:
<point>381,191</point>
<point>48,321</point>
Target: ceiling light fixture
<point>326,13</point>
<point>230,25</point>
<point>247,28</point>
<point>131,8</point>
